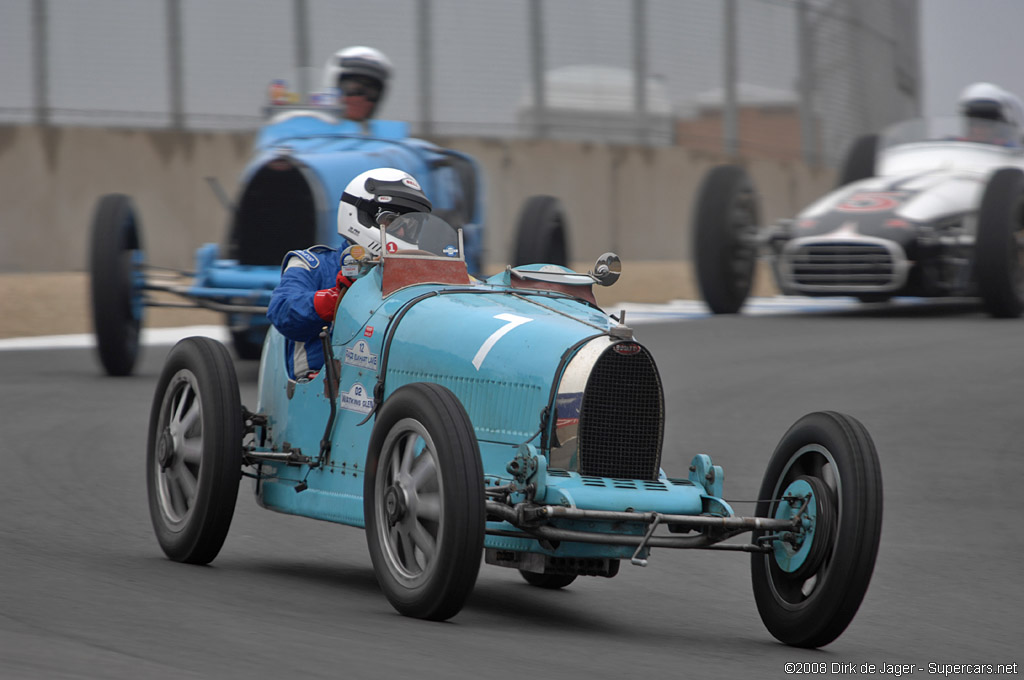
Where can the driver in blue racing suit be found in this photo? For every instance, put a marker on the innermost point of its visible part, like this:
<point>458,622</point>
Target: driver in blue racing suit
<point>314,280</point>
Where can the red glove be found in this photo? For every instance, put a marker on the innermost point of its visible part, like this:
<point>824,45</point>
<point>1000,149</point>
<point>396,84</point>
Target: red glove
<point>325,301</point>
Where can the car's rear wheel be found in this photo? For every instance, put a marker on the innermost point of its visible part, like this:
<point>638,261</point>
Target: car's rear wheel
<point>810,586</point>
<point>542,233</point>
<point>725,238</point>
<point>549,581</point>
<point>859,162</point>
<point>248,342</point>
<point>999,244</point>
<point>194,451</point>
<point>424,502</point>
<point>115,261</point>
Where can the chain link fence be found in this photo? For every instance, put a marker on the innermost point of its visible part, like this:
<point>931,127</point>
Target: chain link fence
<point>782,78</point>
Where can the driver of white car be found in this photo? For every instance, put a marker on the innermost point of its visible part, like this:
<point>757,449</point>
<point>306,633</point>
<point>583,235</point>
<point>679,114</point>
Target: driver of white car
<point>314,280</point>
<point>991,115</point>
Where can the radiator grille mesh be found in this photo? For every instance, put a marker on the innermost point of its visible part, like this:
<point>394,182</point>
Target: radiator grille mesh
<point>842,264</point>
<point>622,416</point>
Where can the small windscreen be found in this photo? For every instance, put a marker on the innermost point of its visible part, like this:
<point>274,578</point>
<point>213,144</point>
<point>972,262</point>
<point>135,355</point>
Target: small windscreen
<point>428,232</point>
<point>951,129</point>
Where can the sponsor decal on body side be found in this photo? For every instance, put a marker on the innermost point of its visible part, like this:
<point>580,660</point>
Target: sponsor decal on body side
<point>360,356</point>
<point>357,399</point>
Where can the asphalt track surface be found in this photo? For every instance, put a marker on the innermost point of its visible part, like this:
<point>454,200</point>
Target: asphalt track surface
<point>85,591</point>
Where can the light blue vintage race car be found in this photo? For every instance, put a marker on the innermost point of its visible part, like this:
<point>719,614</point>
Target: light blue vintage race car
<point>510,417</point>
<point>302,160</point>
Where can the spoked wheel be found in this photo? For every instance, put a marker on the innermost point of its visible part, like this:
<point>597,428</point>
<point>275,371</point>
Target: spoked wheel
<point>424,502</point>
<point>194,452</point>
<point>541,233</point>
<point>810,586</point>
<point>550,581</point>
<point>115,260</point>
<point>999,244</point>
<point>859,162</point>
<point>724,232</point>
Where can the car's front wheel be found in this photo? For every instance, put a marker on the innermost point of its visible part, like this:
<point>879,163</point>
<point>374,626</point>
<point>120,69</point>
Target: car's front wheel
<point>424,502</point>
<point>248,342</point>
<point>999,244</point>
<point>115,261</point>
<point>548,581</point>
<point>725,238</point>
<point>825,470</point>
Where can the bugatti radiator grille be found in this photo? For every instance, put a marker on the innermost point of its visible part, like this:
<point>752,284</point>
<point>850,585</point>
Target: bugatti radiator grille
<point>622,416</point>
<point>821,265</point>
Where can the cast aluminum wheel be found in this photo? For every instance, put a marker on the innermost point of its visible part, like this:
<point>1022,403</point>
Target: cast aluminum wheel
<point>194,452</point>
<point>424,502</point>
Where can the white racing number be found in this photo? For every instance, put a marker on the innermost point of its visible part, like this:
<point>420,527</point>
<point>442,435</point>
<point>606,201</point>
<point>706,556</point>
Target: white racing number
<point>513,321</point>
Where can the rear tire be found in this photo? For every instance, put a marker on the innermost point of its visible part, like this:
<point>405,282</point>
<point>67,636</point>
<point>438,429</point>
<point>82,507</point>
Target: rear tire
<point>999,244</point>
<point>541,233</point>
<point>116,290</point>
<point>194,451</point>
<point>724,232</point>
<point>860,160</point>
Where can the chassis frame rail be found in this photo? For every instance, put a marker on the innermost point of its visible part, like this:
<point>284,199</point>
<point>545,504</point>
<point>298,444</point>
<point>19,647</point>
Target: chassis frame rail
<point>716,529</point>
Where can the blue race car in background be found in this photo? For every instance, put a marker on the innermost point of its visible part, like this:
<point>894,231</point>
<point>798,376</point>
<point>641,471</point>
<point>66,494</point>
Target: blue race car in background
<point>510,417</point>
<point>303,159</point>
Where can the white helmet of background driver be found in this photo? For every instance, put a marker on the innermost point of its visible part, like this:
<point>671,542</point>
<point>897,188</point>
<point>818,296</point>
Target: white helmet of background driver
<point>372,200</point>
<point>985,100</point>
<point>364,63</point>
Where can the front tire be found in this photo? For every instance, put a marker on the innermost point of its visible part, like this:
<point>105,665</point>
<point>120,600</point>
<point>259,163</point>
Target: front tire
<point>114,260</point>
<point>724,233</point>
<point>194,451</point>
<point>424,502</point>
<point>999,244</point>
<point>541,233</point>
<point>807,591</point>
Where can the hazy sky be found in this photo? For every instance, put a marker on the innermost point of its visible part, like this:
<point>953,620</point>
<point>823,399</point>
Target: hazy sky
<point>964,41</point>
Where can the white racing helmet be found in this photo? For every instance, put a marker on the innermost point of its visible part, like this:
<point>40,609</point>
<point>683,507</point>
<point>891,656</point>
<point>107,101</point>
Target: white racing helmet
<point>985,100</point>
<point>364,64</point>
<point>373,200</point>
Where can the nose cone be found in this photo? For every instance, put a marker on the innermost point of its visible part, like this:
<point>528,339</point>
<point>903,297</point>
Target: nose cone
<point>863,214</point>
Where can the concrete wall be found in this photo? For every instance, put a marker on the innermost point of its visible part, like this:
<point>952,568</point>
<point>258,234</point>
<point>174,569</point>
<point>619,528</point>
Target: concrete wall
<point>632,200</point>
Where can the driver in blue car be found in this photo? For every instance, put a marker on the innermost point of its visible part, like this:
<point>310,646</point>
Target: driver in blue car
<point>991,115</point>
<point>313,281</point>
<point>360,75</point>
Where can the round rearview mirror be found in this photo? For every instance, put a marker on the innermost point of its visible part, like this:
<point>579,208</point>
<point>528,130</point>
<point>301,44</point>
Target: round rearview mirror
<point>607,269</point>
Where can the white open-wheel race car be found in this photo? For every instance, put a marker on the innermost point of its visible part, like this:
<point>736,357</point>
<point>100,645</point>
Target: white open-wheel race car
<point>511,419</point>
<point>920,210</point>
